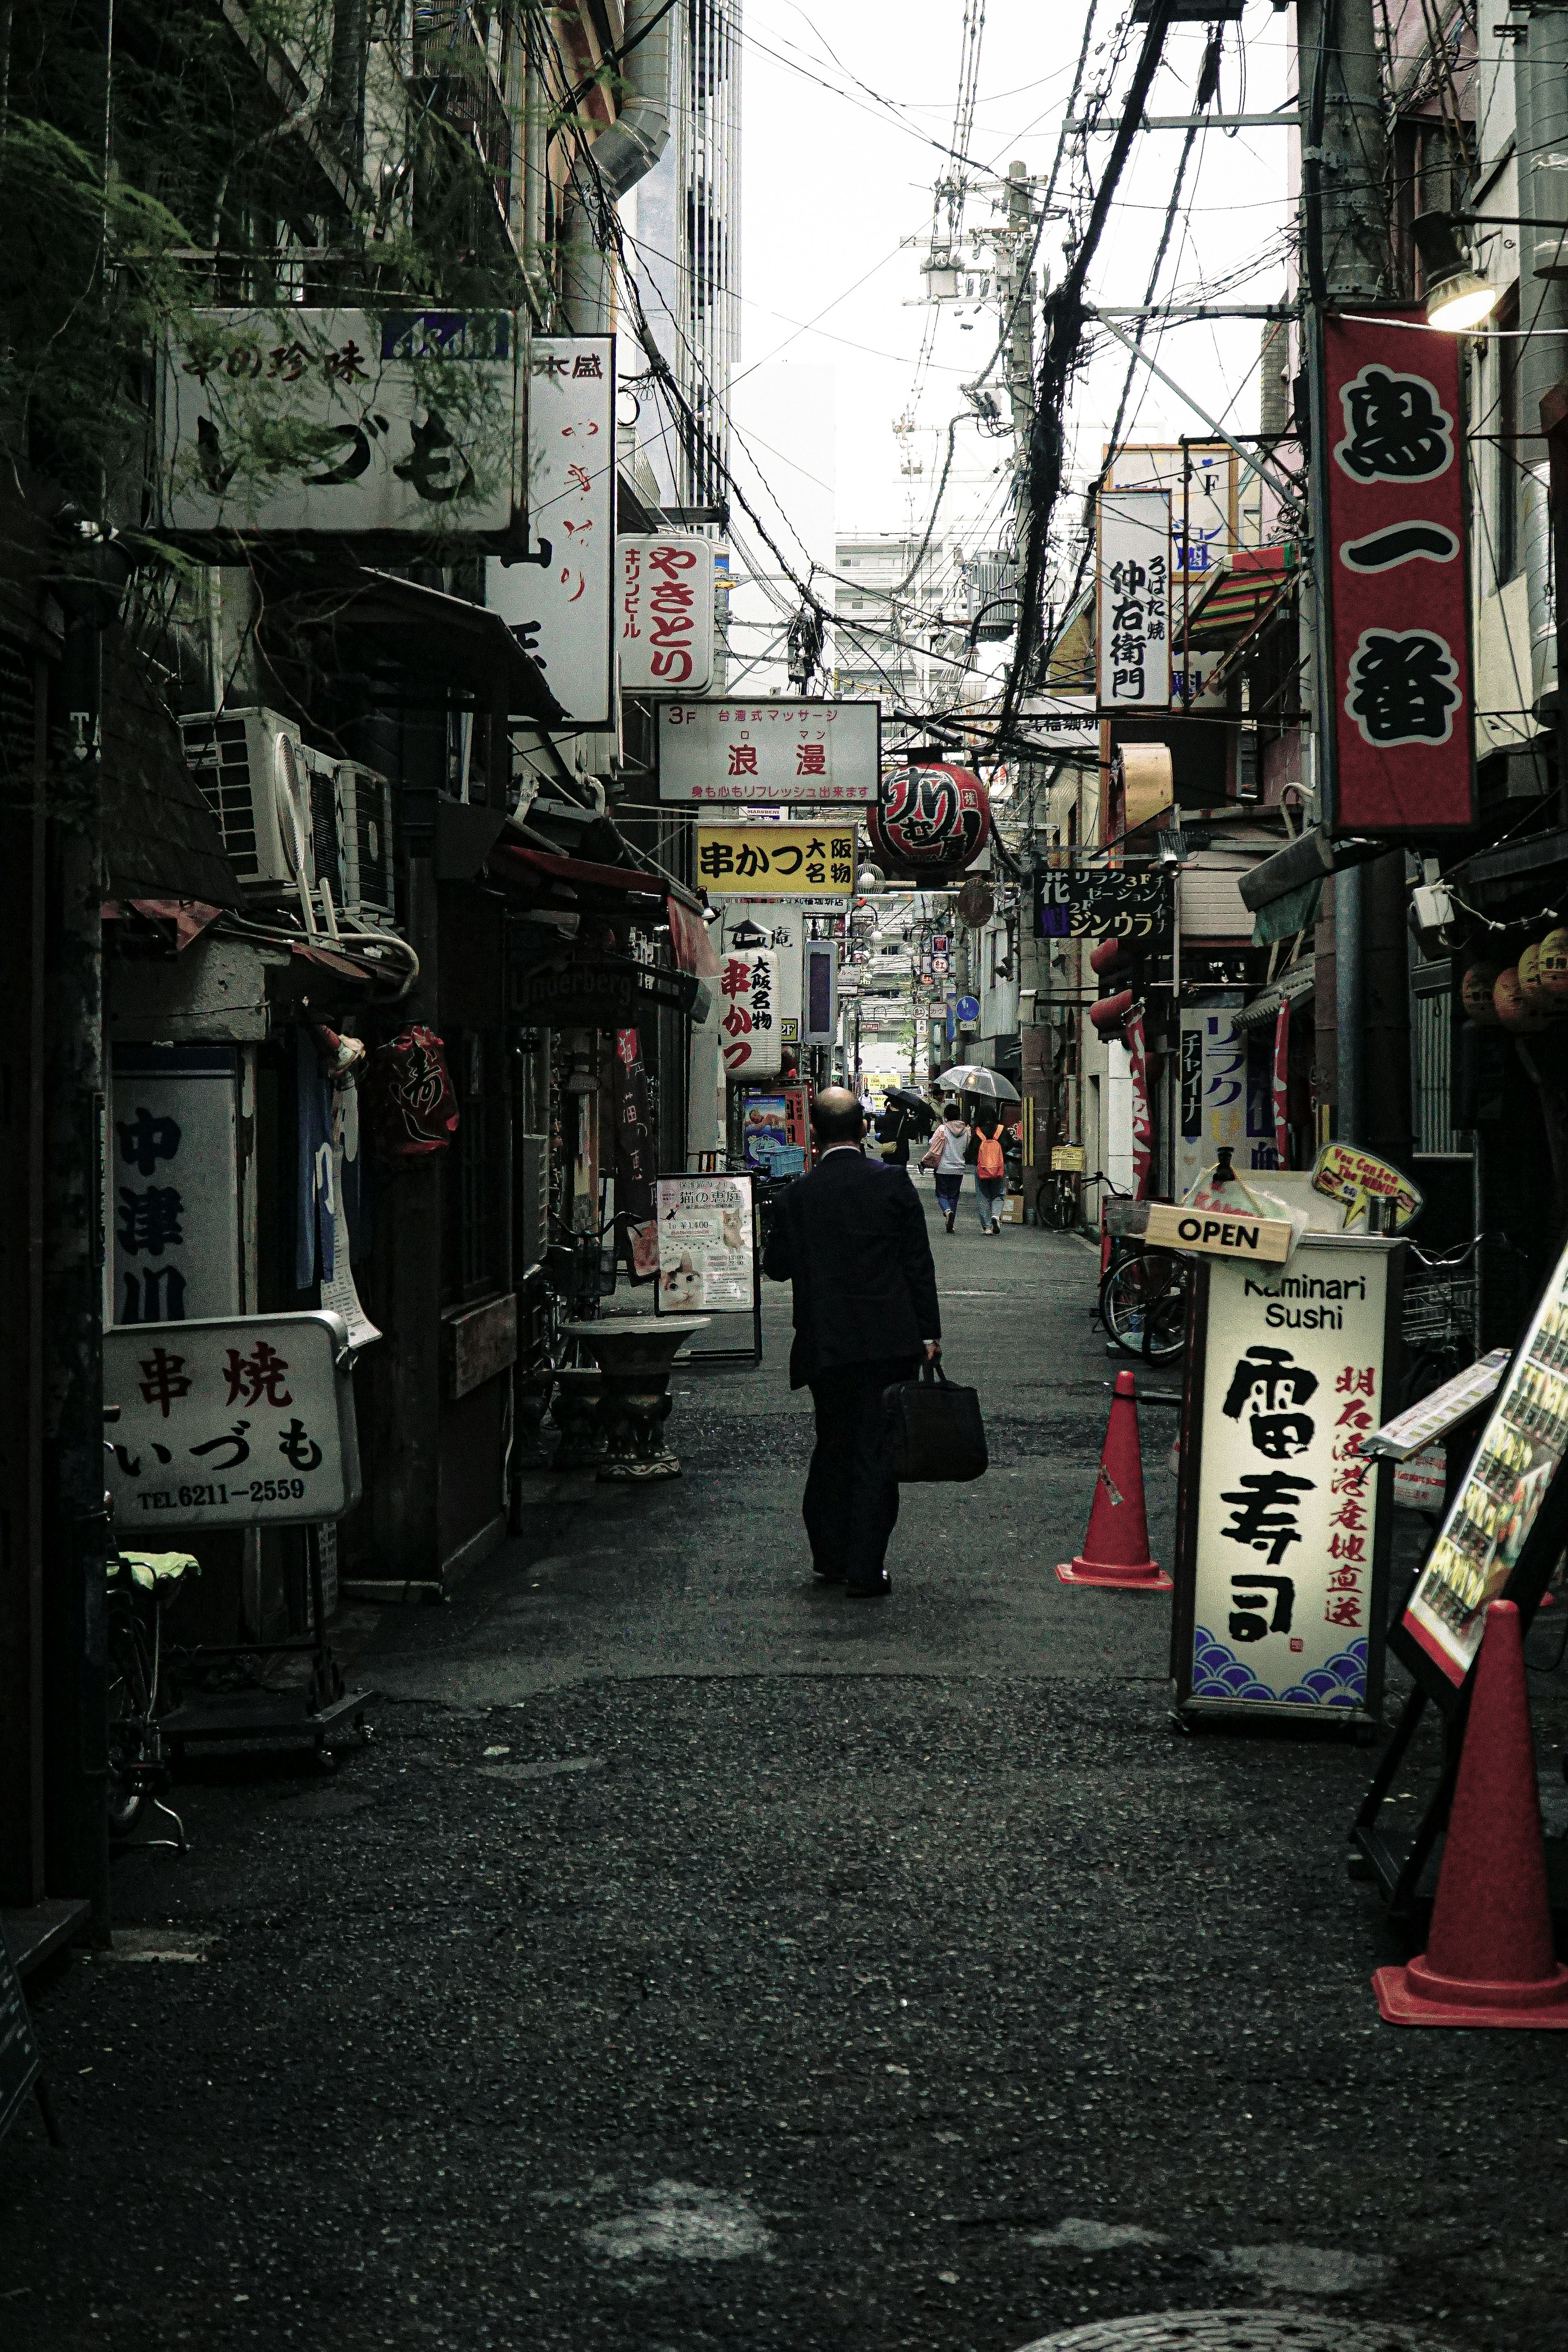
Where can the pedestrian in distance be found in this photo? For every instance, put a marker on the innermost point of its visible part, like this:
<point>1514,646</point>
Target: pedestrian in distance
<point>948,1158</point>
<point>990,1170</point>
<point>852,1239</point>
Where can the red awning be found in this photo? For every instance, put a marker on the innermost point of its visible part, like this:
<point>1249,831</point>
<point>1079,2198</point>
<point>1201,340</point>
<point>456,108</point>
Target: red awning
<point>506,858</point>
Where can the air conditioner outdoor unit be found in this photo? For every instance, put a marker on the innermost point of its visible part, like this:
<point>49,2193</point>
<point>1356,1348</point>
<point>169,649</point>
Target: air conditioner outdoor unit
<point>365,845</point>
<point>250,765</point>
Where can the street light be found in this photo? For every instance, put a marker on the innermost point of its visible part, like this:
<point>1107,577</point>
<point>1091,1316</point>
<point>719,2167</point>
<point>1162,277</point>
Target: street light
<point>1457,296</point>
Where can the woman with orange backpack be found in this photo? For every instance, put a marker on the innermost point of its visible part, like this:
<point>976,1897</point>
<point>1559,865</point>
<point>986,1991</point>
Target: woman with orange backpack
<point>990,1170</point>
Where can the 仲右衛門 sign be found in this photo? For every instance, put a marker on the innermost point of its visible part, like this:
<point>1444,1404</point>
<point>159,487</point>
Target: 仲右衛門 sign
<point>1278,1511</point>
<point>775,861</point>
<point>235,1421</point>
<point>558,600</point>
<point>401,425</point>
<point>770,752</point>
<point>1133,601</point>
<point>664,635</point>
<point>1398,651</point>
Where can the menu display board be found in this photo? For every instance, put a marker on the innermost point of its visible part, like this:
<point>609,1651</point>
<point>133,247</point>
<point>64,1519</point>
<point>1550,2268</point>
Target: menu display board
<point>706,1255</point>
<point>1495,1510</point>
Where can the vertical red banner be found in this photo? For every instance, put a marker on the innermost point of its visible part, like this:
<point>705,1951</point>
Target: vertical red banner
<point>1399,660</point>
<point>1282,1085</point>
<point>1142,1131</point>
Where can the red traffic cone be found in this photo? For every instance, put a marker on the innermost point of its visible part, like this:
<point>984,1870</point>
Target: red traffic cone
<point>1489,1961</point>
<point>1116,1548</point>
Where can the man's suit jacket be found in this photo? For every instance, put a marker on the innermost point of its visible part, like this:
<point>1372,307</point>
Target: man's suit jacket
<point>852,1237</point>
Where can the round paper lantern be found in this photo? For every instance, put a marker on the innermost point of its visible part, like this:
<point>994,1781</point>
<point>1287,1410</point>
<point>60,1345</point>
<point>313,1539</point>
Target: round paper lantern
<point>1513,1009</point>
<point>1530,981</point>
<point>1553,967</point>
<point>1476,994</point>
<point>936,818</point>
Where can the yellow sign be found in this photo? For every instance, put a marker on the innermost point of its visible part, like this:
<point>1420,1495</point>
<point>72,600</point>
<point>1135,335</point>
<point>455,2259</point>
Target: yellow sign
<point>1341,1173</point>
<point>776,861</point>
<point>1214,1234</point>
<point>1067,1160</point>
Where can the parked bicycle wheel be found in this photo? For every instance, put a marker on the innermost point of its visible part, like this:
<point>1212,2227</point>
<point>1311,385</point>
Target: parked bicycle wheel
<point>1143,1307</point>
<point>130,1723</point>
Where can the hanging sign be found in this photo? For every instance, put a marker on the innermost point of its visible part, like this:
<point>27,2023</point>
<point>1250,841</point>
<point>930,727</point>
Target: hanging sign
<point>1103,902</point>
<point>748,992</point>
<point>786,753</point>
<point>1200,479</point>
<point>242,1420</point>
<point>1341,1173</point>
<point>558,598</point>
<point>776,861</point>
<point>1280,1547</point>
<point>664,633</point>
<point>1212,1106</point>
<point>1505,1494</point>
<point>1398,651</point>
<point>781,928</point>
<point>174,1183</point>
<point>1263,1241</point>
<point>1132,612</point>
<point>294,423</point>
<point>706,1259</point>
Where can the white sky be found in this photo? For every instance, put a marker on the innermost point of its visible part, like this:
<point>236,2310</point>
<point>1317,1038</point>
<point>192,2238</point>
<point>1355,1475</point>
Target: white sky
<point>834,179</point>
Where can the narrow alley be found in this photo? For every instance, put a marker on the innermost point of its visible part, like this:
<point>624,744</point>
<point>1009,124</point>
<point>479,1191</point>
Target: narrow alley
<point>699,1958</point>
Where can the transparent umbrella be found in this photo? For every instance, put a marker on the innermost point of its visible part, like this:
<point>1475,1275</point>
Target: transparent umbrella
<point>974,1078</point>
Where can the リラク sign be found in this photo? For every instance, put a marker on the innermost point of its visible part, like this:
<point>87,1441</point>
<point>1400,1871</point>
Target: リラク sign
<point>1278,1511</point>
<point>782,753</point>
<point>1398,651</point>
<point>559,599</point>
<point>664,635</point>
<point>293,423</point>
<point>235,1421</point>
<point>1133,602</point>
<point>775,861</point>
<point>1101,902</point>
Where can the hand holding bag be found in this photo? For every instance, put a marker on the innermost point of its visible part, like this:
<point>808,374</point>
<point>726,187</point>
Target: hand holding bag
<point>933,1429</point>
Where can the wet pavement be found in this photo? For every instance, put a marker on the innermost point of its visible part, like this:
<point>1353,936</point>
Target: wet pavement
<point>700,1959</point>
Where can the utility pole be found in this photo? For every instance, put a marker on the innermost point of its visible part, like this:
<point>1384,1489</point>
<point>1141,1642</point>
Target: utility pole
<point>1018,287</point>
<point>1348,256</point>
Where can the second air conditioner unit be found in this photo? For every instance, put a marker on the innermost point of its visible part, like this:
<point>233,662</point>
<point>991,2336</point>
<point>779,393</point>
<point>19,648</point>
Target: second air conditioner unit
<point>251,767</point>
<point>364,845</point>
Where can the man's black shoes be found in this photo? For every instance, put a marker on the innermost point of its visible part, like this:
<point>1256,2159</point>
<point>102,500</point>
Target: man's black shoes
<point>877,1589</point>
<point>826,1574</point>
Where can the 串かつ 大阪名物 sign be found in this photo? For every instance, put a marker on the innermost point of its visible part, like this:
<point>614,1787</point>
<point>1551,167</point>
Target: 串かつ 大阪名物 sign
<point>775,861</point>
<point>1279,1550</point>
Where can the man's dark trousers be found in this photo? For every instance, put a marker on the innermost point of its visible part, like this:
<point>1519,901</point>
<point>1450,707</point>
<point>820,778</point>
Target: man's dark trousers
<point>851,1506</point>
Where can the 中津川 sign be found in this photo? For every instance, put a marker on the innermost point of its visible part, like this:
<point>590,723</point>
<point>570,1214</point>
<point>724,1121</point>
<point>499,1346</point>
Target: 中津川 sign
<point>770,752</point>
<point>174,1183</point>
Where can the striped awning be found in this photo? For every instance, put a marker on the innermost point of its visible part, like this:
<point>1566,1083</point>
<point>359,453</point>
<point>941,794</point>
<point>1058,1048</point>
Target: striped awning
<point>1297,986</point>
<point>1242,594</point>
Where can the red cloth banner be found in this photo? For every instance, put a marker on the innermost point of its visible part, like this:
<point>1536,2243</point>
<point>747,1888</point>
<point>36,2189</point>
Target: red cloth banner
<point>1282,1085</point>
<point>1142,1132</point>
<point>1399,630</point>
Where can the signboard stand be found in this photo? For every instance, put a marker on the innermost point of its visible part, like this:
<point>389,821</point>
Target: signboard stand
<point>709,1250</point>
<point>1282,1529</point>
<point>20,2070</point>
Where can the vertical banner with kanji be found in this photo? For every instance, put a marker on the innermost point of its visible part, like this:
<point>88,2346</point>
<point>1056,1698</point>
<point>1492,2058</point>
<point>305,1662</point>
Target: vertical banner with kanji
<point>748,990</point>
<point>559,600</point>
<point>1143,1130</point>
<point>1279,1506</point>
<point>1133,612</point>
<point>1398,659</point>
<point>1213,1099</point>
<point>1282,1085</point>
<point>174,1183</point>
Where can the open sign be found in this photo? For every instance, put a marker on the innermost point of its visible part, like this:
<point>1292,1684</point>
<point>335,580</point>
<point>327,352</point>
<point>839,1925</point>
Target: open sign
<point>1218,1234</point>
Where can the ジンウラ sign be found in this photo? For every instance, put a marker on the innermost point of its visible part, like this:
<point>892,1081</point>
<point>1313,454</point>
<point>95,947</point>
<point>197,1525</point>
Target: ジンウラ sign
<point>559,599</point>
<point>1401,717</point>
<point>294,423</point>
<point>664,632</point>
<point>775,861</point>
<point>1281,1546</point>
<point>1102,902</point>
<point>230,1421</point>
<point>782,753</point>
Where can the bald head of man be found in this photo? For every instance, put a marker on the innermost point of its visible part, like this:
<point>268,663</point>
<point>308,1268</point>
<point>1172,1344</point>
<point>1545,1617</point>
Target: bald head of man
<point>836,1117</point>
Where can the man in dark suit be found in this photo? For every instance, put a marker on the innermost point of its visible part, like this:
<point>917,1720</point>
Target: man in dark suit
<point>852,1238</point>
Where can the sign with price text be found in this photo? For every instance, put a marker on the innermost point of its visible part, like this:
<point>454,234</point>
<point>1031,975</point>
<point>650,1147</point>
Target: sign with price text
<point>228,1422</point>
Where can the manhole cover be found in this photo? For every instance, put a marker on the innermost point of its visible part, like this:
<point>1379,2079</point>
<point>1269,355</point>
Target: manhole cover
<point>1232,2331</point>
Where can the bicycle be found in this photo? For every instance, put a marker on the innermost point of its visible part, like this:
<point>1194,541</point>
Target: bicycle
<point>1142,1301</point>
<point>139,1768</point>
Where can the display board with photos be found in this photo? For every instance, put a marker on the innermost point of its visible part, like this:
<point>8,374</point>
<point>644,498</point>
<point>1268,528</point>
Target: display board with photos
<point>707,1256</point>
<point>1505,1527</point>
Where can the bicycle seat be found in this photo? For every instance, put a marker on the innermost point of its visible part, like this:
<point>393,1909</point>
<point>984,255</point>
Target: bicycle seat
<point>151,1570</point>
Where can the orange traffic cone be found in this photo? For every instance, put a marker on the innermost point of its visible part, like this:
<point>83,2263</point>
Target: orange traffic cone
<point>1116,1548</point>
<point>1489,1961</point>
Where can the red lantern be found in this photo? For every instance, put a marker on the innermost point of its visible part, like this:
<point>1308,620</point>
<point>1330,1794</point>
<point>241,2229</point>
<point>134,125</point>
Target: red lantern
<point>412,1106</point>
<point>934,817</point>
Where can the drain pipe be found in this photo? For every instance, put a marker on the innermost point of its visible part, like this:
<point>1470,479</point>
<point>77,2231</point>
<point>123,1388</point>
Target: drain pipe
<point>1541,88</point>
<point>622,155</point>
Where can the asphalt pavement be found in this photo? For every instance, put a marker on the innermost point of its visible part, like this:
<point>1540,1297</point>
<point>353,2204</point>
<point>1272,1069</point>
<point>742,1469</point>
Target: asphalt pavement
<point>700,1961</point>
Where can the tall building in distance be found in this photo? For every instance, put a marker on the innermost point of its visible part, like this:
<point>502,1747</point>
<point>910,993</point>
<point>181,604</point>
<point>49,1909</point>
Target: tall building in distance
<point>688,254</point>
<point>902,616</point>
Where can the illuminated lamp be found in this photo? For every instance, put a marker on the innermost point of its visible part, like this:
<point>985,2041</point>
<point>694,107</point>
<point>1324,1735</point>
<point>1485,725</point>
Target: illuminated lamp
<point>1457,296</point>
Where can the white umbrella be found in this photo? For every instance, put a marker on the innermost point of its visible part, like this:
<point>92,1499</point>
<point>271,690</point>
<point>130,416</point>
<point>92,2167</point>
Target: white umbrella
<point>974,1078</point>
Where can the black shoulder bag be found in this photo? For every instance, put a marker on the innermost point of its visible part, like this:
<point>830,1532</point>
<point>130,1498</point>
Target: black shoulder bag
<point>933,1429</point>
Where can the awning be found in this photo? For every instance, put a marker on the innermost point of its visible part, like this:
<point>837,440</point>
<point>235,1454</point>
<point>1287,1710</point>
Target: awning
<point>1233,606</point>
<point>1297,986</point>
<point>441,643</point>
<point>511,864</point>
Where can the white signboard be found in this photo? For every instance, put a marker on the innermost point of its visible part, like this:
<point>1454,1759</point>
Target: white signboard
<point>792,753</point>
<point>381,424</point>
<point>1284,1518</point>
<point>243,1421</point>
<point>173,1184</point>
<point>705,1248</point>
<point>1212,1102</point>
<point>559,599</point>
<point>665,628</point>
<point>781,927</point>
<point>748,991</point>
<point>1133,609</point>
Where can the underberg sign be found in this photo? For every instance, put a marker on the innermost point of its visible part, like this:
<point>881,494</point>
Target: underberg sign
<point>1219,1234</point>
<point>597,993</point>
